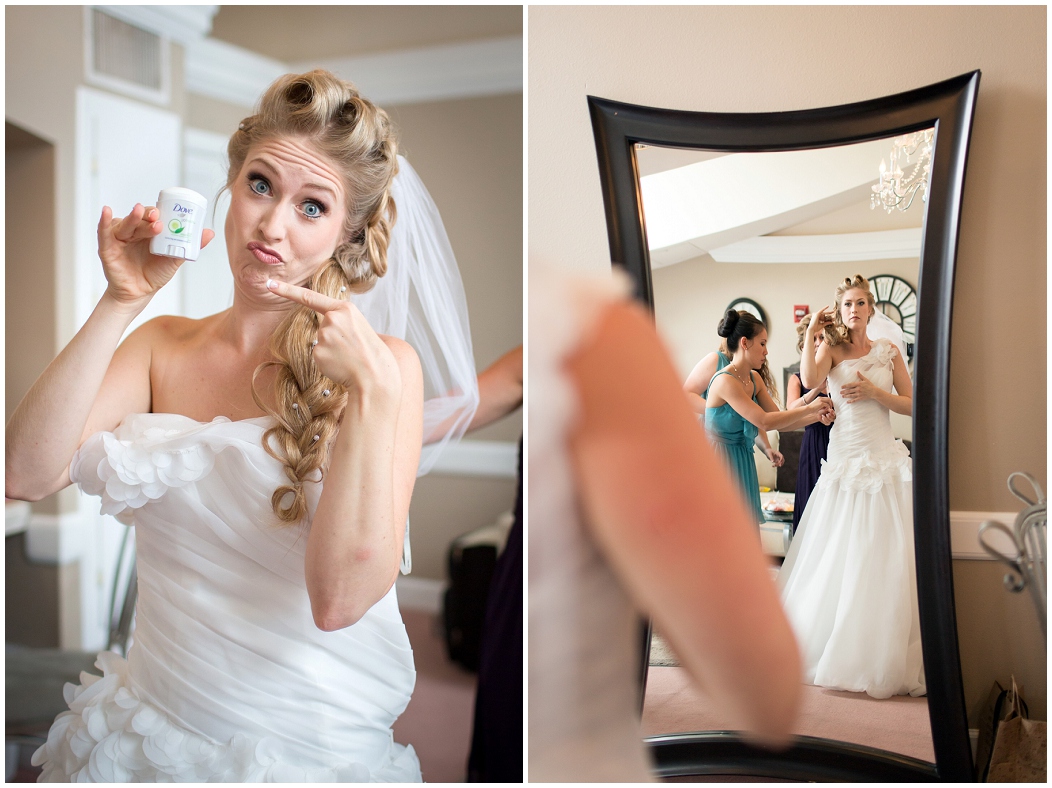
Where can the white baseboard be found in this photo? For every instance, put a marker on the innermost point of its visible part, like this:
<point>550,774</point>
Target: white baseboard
<point>492,459</point>
<point>421,594</point>
<point>56,538</point>
<point>964,535</point>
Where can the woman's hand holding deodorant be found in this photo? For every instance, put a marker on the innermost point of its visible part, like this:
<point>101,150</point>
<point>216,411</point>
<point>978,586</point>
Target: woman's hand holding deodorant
<point>141,252</point>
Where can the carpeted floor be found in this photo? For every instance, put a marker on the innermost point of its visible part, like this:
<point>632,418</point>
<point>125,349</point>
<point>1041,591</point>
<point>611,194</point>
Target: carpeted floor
<point>900,724</point>
<point>437,721</point>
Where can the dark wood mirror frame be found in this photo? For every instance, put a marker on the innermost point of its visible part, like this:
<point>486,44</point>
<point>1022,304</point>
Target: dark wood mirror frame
<point>948,106</point>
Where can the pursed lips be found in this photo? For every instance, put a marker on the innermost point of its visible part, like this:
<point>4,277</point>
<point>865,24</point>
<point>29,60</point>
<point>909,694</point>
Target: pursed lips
<point>264,254</point>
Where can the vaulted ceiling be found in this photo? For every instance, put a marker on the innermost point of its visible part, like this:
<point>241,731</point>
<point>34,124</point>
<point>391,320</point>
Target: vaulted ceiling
<point>795,206</point>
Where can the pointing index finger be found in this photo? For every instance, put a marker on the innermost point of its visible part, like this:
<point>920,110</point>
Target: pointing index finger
<point>301,295</point>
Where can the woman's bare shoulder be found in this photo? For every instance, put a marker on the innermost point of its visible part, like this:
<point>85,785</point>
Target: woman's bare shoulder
<point>402,350</point>
<point>171,331</point>
<point>405,355</point>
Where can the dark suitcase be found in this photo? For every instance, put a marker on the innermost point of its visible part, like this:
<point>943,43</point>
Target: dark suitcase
<point>472,558</point>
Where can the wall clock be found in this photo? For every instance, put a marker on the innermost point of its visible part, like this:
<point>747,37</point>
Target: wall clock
<point>750,306</point>
<point>897,299</point>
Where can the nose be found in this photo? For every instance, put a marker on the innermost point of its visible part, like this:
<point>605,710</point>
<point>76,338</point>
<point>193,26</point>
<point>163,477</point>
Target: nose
<point>272,225</point>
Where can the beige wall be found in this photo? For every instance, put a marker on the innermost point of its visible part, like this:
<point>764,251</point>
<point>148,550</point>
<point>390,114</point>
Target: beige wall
<point>29,249</point>
<point>762,59</point>
<point>469,153</point>
<point>44,60</point>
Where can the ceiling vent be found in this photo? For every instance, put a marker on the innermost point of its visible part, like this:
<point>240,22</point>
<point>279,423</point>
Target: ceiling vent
<point>126,59</point>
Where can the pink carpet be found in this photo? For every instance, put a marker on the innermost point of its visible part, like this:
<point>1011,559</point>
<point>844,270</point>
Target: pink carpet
<point>900,724</point>
<point>437,721</point>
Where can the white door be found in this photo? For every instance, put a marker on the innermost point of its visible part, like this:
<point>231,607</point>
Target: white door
<point>208,286</point>
<point>126,153</point>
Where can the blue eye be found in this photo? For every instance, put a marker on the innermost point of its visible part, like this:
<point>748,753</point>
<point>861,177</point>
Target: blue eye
<point>258,185</point>
<point>313,209</point>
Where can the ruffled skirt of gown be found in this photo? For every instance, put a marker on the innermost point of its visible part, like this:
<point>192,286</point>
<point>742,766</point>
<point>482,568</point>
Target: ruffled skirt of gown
<point>229,679</point>
<point>849,580</point>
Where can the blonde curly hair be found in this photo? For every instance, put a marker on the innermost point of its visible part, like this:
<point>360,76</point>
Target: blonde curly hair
<point>358,138</point>
<point>836,332</point>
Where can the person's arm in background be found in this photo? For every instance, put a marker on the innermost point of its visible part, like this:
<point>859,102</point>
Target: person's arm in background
<point>665,513</point>
<point>698,381</point>
<point>500,389</point>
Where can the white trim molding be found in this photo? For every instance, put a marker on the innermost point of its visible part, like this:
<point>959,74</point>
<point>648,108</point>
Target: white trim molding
<point>488,459</point>
<point>57,539</point>
<point>489,67</point>
<point>832,248</point>
<point>964,535</point>
<point>182,24</point>
<point>478,68</point>
<point>229,73</point>
<point>420,593</point>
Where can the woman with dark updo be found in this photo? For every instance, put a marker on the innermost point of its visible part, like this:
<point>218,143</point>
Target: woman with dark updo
<point>738,403</point>
<point>696,387</point>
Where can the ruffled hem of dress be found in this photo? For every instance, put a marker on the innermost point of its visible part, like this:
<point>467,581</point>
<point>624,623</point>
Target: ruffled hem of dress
<point>869,471</point>
<point>111,735</point>
<point>149,454</point>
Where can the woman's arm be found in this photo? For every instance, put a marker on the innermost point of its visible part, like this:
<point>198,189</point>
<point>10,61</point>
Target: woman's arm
<point>796,398</point>
<point>698,380</point>
<point>92,384</point>
<point>89,387</point>
<point>727,389</point>
<point>500,389</point>
<point>355,544</point>
<point>663,511</point>
<point>900,402</point>
<point>762,442</point>
<point>815,366</point>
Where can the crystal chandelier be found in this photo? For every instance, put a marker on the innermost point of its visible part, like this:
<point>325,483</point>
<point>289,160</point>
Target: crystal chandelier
<point>897,189</point>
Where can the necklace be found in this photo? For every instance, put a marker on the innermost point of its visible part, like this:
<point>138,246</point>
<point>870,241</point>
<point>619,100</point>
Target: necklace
<point>744,382</point>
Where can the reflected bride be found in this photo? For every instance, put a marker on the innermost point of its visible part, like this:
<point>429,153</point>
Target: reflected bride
<point>849,580</point>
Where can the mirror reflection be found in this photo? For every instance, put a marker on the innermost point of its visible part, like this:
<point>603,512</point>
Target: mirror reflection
<point>785,283</point>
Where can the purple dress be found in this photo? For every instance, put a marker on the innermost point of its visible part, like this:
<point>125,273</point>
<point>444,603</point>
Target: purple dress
<point>813,448</point>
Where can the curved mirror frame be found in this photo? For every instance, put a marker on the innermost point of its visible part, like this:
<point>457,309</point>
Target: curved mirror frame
<point>948,106</point>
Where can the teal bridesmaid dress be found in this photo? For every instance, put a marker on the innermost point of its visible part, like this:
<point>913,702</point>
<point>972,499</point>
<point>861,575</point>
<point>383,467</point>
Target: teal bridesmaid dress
<point>732,437</point>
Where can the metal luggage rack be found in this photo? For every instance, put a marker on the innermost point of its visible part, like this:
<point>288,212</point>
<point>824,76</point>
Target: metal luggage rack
<point>1029,536</point>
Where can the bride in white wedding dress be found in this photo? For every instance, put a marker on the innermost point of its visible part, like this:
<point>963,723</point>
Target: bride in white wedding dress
<point>849,582</point>
<point>266,457</point>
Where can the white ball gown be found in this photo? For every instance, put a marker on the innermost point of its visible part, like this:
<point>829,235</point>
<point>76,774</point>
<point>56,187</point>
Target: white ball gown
<point>849,581</point>
<point>228,679</point>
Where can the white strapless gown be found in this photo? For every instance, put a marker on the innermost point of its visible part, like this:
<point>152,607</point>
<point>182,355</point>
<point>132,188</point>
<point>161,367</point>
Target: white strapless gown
<point>849,582</point>
<point>228,679</point>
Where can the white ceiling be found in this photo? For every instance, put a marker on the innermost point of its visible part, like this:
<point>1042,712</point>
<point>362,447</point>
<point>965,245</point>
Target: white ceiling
<point>795,206</point>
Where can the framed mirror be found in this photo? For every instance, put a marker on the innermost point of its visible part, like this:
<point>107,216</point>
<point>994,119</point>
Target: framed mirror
<point>773,210</point>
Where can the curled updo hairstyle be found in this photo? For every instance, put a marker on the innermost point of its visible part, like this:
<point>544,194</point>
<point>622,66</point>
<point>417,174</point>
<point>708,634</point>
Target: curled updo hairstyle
<point>801,332</point>
<point>739,325</point>
<point>836,333</point>
<point>357,137</point>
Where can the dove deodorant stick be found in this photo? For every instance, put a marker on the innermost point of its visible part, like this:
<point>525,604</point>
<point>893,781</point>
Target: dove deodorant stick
<point>182,214</point>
